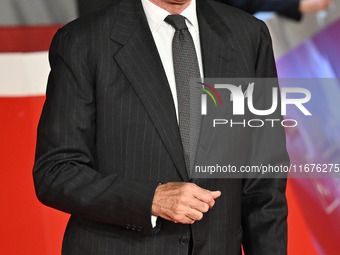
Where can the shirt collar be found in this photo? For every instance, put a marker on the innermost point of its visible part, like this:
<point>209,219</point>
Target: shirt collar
<point>156,15</point>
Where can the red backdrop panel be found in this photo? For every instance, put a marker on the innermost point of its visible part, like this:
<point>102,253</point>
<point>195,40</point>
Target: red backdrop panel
<point>26,39</point>
<point>27,227</point>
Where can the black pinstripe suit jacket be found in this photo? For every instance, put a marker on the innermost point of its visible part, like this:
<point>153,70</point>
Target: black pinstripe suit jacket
<point>108,136</point>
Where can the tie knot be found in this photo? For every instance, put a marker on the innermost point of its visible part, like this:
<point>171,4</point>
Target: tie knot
<point>177,21</point>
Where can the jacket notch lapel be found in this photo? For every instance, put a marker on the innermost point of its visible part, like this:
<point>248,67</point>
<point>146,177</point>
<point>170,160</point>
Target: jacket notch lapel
<point>140,62</point>
<point>216,43</point>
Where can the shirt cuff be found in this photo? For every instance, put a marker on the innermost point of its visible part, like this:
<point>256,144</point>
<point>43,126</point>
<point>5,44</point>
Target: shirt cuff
<point>153,220</point>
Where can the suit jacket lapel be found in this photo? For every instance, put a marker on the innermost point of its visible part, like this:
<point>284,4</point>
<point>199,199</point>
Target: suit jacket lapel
<point>218,60</point>
<point>216,43</point>
<point>140,62</point>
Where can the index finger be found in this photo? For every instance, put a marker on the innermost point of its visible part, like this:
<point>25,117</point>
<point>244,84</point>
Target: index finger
<point>204,196</point>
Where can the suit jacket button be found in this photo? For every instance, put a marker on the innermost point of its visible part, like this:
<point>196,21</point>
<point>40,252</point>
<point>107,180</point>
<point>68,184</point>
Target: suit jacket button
<point>133,228</point>
<point>127,226</point>
<point>183,240</point>
<point>139,229</point>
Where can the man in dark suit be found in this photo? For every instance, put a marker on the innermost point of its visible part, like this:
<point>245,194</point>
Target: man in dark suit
<point>109,149</point>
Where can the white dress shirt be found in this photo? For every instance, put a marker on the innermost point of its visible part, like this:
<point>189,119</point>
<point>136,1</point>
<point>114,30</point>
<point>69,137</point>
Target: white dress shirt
<point>163,34</point>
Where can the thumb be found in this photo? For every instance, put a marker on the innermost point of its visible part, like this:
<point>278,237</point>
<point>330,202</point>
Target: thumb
<point>215,194</point>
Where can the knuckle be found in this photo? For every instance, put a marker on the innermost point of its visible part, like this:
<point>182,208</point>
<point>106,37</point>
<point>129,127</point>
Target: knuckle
<point>197,216</point>
<point>182,199</point>
<point>208,197</point>
<point>176,208</point>
<point>187,187</point>
<point>205,208</point>
<point>177,218</point>
<point>181,218</point>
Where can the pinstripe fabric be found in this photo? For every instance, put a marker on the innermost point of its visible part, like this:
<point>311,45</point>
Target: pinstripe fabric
<point>108,135</point>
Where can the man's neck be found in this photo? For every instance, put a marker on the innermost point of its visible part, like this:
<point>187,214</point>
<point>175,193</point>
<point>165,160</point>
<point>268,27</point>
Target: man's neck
<point>172,6</point>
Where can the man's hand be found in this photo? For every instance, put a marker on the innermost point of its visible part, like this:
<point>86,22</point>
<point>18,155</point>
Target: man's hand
<point>313,5</point>
<point>182,202</point>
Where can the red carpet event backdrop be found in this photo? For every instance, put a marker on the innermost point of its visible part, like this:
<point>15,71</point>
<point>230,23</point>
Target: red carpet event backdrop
<point>28,227</point>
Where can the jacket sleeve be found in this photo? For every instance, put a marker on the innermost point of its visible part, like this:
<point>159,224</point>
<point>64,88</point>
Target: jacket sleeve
<point>65,174</point>
<point>264,205</point>
<point>287,8</point>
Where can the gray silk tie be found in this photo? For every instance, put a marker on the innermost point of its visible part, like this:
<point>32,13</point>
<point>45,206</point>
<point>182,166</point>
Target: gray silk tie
<point>188,95</point>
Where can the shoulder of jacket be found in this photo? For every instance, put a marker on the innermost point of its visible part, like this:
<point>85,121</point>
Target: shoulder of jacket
<point>235,16</point>
<point>90,24</point>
